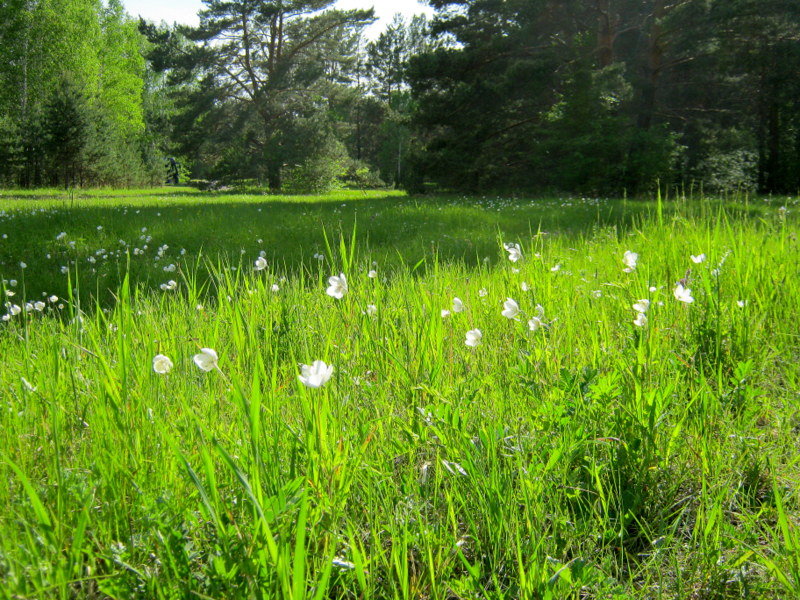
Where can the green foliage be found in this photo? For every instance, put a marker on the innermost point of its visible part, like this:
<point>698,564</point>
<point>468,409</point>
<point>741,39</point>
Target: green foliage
<point>588,97</point>
<point>358,174</point>
<point>74,112</point>
<point>67,125</point>
<point>123,71</point>
<point>610,95</point>
<point>730,171</point>
<point>264,71</point>
<point>322,171</point>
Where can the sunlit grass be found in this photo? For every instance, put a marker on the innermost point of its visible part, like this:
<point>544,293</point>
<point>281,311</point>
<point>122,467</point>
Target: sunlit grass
<point>582,456</point>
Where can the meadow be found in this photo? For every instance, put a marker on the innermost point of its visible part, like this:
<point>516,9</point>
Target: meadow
<point>529,398</point>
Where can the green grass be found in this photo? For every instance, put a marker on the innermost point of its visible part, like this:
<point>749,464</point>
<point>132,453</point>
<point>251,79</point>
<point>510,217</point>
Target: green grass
<point>590,458</point>
<point>396,229</point>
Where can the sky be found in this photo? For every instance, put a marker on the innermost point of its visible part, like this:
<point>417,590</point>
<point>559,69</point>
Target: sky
<point>185,11</point>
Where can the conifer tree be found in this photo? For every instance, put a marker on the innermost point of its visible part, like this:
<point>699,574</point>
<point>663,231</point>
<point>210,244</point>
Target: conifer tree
<point>270,59</point>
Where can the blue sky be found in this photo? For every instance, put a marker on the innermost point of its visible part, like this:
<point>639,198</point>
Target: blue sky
<point>185,11</point>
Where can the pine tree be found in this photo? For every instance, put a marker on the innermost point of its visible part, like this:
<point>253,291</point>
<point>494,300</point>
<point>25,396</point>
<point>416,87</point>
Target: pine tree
<point>67,129</point>
<point>269,60</point>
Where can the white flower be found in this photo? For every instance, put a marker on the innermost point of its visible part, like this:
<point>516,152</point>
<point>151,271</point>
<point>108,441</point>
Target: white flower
<point>12,282</point>
<point>170,268</point>
<point>630,259</point>
<point>640,320</point>
<point>28,307</point>
<point>64,269</point>
<point>61,236</point>
<point>170,285</point>
<point>697,259</point>
<point>474,337</point>
<point>458,305</point>
<point>53,299</point>
<point>99,228</point>
<point>372,274</point>
<point>316,374</point>
<point>534,323</point>
<point>261,263</point>
<point>683,294</point>
<point>337,286</point>
<point>741,303</point>
<point>524,286</point>
<point>206,359</point>
<point>38,305</point>
<point>641,306</point>
<point>22,265</point>
<point>344,565</point>
<point>653,288</point>
<point>514,252</point>
<point>555,269</point>
<point>424,472</point>
<point>6,317</point>
<point>372,309</point>
<point>275,287</point>
<point>483,292</point>
<point>510,309</point>
<point>14,310</point>
<point>162,364</point>
<point>445,313</point>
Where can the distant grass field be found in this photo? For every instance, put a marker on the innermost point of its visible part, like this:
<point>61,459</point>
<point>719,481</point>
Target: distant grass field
<point>572,424</point>
<point>107,230</point>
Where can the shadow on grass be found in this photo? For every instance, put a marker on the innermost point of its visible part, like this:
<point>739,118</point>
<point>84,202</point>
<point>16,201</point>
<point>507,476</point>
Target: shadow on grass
<point>27,198</point>
<point>394,231</point>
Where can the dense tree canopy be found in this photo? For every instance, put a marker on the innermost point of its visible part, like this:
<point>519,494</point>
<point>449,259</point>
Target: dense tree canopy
<point>611,94</point>
<point>71,94</point>
<point>598,96</point>
<point>275,68</point>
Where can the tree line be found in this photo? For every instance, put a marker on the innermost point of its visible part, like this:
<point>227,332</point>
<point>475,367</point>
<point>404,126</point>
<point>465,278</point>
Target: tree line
<point>74,95</point>
<point>579,96</point>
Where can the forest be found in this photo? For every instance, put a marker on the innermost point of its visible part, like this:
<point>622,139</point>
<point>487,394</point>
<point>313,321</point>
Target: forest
<point>530,96</point>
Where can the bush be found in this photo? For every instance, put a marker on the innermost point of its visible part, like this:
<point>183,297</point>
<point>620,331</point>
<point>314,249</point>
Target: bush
<point>736,170</point>
<point>321,172</point>
<point>357,174</point>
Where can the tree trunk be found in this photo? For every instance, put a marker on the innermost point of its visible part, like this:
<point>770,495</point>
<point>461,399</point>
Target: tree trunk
<point>773,167</point>
<point>655,58</point>
<point>274,175</point>
<point>605,34</point>
<point>271,154</point>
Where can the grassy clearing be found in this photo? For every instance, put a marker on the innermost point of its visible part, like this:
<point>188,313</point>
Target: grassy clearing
<point>589,457</point>
<point>397,230</point>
